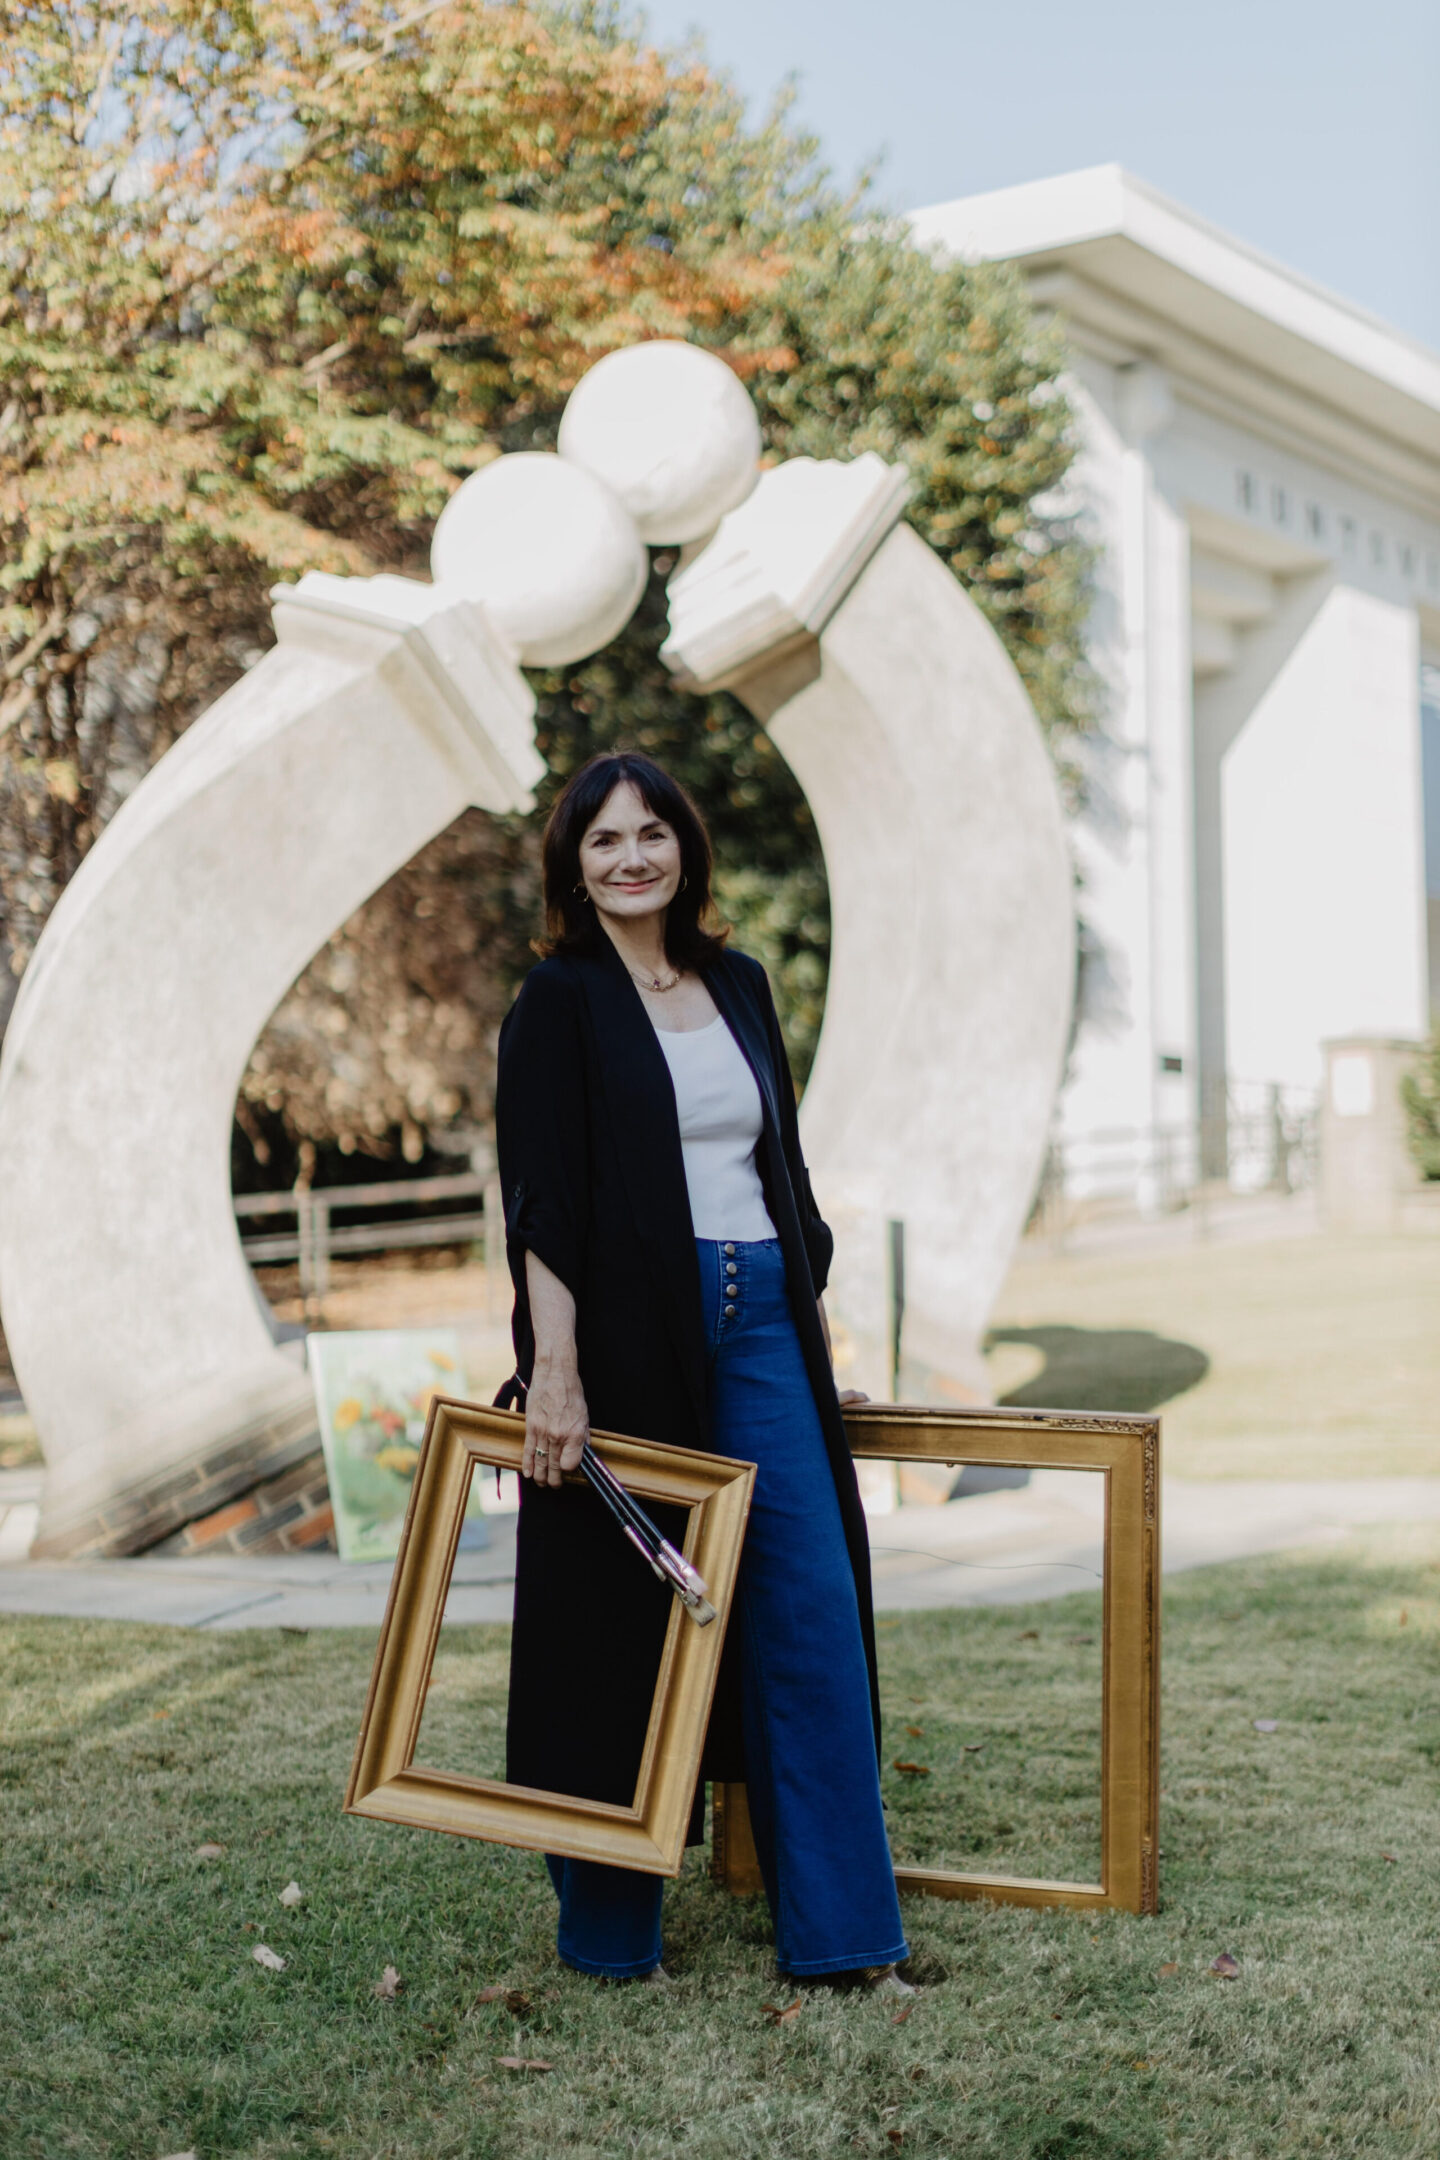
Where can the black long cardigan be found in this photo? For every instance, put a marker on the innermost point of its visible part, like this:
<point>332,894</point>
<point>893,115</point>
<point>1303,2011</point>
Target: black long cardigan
<point>594,1184</point>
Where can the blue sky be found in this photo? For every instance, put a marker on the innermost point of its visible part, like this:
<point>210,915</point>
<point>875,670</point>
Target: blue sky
<point>1309,128</point>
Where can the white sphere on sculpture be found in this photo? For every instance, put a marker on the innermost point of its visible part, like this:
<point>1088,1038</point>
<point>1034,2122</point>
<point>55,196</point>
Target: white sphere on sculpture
<point>671,431</point>
<point>546,547</point>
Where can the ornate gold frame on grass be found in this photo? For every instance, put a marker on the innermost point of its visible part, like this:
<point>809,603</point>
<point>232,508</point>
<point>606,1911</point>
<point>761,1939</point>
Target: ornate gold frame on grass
<point>1126,1450</point>
<point>388,1784</point>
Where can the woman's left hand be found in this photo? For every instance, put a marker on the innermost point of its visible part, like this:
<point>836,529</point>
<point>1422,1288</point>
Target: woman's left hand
<point>851,1395</point>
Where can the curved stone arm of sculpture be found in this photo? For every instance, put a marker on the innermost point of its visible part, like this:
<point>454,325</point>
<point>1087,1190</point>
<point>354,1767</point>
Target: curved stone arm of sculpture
<point>130,1312</point>
<point>388,706</point>
<point>952,954</point>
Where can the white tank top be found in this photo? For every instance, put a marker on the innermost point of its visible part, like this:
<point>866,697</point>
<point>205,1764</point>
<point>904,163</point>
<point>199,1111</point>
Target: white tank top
<point>720,1122</point>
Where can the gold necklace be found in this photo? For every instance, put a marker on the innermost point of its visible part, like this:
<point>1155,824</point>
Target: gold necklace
<point>653,982</point>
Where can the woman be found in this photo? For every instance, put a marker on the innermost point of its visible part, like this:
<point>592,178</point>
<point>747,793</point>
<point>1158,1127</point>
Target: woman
<point>668,1262</point>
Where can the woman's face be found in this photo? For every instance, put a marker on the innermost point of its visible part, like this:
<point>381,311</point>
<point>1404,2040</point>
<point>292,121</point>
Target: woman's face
<point>629,858</point>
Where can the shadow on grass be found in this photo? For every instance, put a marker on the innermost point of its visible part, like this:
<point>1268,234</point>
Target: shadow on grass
<point>1090,1369</point>
<point>1104,1368</point>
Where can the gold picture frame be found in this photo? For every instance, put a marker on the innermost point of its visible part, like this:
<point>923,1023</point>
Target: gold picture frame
<point>1127,1451</point>
<point>388,1785</point>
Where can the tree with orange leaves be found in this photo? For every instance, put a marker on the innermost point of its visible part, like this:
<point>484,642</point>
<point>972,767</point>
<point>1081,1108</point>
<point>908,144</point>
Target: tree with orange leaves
<point>274,278</point>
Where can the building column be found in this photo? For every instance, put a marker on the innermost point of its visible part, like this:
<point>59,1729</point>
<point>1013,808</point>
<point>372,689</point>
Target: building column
<point>1133,1070</point>
<point>1169,701</point>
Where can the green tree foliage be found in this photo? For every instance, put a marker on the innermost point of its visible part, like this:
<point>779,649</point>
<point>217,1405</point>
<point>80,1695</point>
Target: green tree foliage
<point>945,368</point>
<point>274,277</point>
<point>1420,1095</point>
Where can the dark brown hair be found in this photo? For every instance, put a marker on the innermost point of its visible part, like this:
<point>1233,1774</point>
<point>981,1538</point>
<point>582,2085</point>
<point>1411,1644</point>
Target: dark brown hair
<point>569,917</point>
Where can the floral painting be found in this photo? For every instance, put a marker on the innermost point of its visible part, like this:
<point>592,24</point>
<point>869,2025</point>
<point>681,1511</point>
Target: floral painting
<point>373,1391</point>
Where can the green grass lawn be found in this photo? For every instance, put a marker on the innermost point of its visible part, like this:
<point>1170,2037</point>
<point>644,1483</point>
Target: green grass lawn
<point>985,1788</point>
<point>135,2023</point>
<point>1306,1357</point>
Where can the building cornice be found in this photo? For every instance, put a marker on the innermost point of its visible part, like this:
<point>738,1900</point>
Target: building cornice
<point>1223,384</point>
<point>1130,270</point>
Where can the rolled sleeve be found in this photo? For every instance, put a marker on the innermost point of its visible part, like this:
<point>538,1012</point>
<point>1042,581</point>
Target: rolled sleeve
<point>819,1237</point>
<point>816,1232</point>
<point>542,1131</point>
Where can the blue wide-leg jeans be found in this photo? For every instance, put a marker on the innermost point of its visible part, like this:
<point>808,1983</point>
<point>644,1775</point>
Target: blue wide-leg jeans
<point>812,1781</point>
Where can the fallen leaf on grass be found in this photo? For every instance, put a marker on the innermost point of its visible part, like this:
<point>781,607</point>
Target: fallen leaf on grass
<point>777,2016</point>
<point>516,2001</point>
<point>1226,1967</point>
<point>1168,1972</point>
<point>1030,1634</point>
<point>911,1769</point>
<point>1267,1724</point>
<point>901,2015</point>
<point>1393,1858</point>
<point>916,1732</point>
<point>896,2137</point>
<point>388,1986</point>
<point>1404,1618</point>
<point>972,1747</point>
<point>208,1852</point>
<point>292,1894</point>
<point>523,2062</point>
<point>264,1955</point>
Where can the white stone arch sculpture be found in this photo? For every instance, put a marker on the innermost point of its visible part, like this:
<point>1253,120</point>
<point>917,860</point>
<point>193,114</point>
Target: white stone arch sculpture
<point>385,708</point>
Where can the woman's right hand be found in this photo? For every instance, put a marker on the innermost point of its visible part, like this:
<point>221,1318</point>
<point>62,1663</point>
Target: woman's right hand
<point>557,1422</point>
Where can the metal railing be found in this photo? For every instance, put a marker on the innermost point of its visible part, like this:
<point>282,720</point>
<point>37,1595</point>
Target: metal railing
<point>1255,1138</point>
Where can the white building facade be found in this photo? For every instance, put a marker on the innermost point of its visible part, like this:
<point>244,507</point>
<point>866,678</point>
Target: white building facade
<point>1261,475</point>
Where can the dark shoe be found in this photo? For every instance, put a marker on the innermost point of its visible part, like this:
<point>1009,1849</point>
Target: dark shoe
<point>860,1979</point>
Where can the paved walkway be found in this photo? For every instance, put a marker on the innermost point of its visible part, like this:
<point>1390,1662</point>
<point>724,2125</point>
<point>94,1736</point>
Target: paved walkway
<point>1005,1548</point>
<point>1039,1541</point>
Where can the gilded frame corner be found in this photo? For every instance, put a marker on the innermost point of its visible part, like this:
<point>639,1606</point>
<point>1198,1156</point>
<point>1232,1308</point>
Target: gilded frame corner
<point>1127,1451</point>
<point>388,1785</point>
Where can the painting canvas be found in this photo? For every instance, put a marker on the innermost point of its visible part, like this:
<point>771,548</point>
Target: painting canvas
<point>373,1391</point>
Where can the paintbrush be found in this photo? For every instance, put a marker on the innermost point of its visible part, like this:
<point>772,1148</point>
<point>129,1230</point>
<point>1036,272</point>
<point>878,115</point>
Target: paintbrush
<point>656,1550</point>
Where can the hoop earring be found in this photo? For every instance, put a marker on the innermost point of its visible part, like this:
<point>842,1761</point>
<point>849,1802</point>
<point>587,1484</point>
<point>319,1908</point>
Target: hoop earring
<point>684,881</point>
<point>583,892</point>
